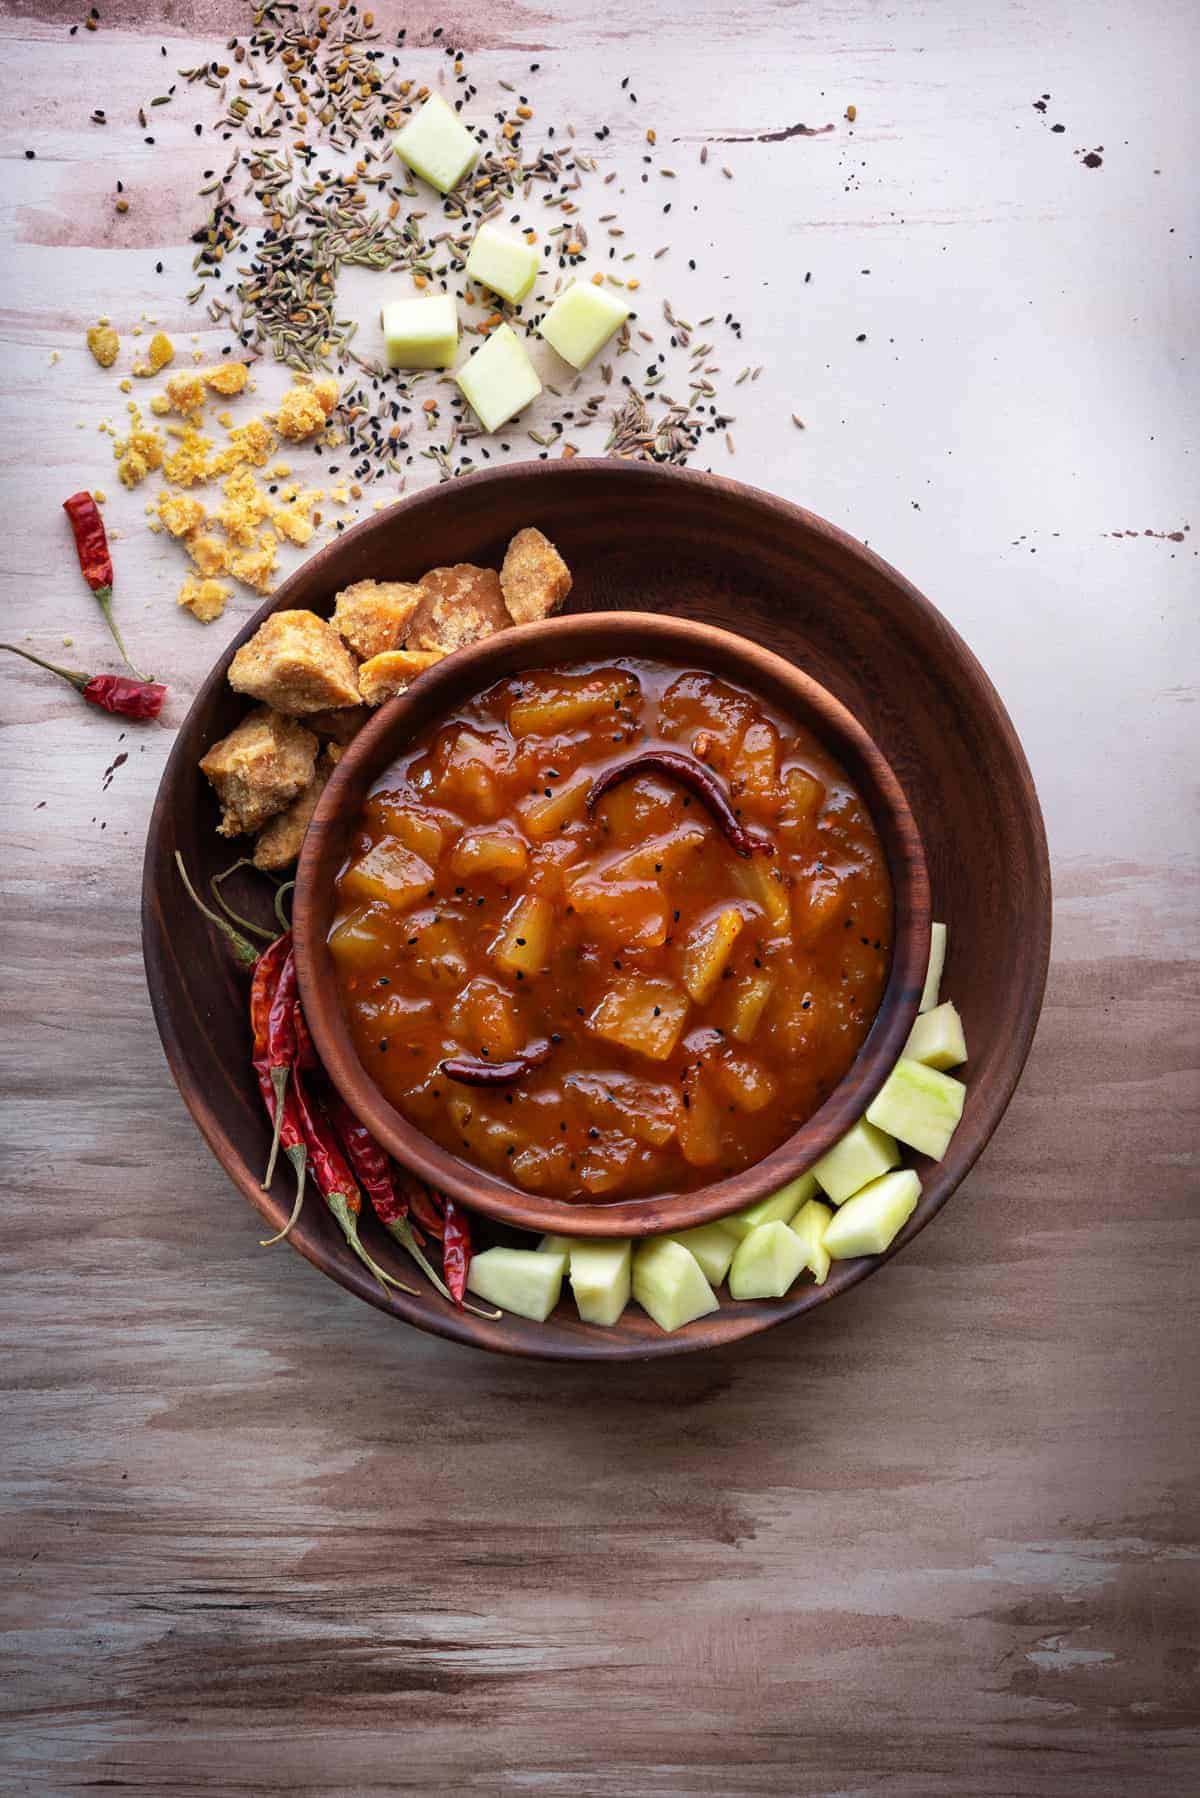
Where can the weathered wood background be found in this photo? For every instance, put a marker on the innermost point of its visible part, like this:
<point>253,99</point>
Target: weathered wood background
<point>942,1537</point>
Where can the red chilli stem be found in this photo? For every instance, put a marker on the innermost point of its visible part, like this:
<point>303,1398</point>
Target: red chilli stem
<point>243,948</point>
<point>298,1156</point>
<point>698,780</point>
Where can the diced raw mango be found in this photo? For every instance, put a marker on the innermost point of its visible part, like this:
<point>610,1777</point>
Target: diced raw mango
<point>817,906</point>
<point>508,265</point>
<point>576,701</point>
<point>632,913</point>
<point>619,1101</point>
<point>519,1280</point>
<point>581,321</point>
<point>920,1106</point>
<point>485,1020</point>
<point>499,380</point>
<point>712,1245</point>
<point>810,1224</point>
<point>643,1014</point>
<point>415,829</point>
<point>601,1279</point>
<point>420,333</point>
<point>523,946</point>
<point>862,1155</point>
<point>804,796</point>
<point>358,941</point>
<point>545,813</point>
<point>763,882</point>
<point>754,770</point>
<point>937,1039</point>
<point>390,872</point>
<point>706,954</point>
<point>495,849</point>
<point>766,1263</point>
<point>488,1139</point>
<point>661,854</point>
<point>745,1080</point>
<point>556,1245</point>
<point>746,1004</point>
<point>602,1166</point>
<point>938,935</point>
<point>699,1125</point>
<point>668,1283</point>
<point>866,1224</point>
<point>437,146</point>
<point>783,1204</point>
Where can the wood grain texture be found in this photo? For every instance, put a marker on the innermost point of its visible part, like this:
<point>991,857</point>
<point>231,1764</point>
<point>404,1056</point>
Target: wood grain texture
<point>941,1537</point>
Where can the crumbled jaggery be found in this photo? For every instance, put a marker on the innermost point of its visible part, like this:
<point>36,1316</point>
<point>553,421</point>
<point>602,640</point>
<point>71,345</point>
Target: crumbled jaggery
<point>293,521</point>
<point>246,505</point>
<point>208,552</point>
<point>185,393</point>
<point>179,513</point>
<point>160,354</point>
<point>204,599</point>
<point>139,453</point>
<point>255,566</point>
<point>189,461</point>
<point>253,442</point>
<point>227,377</point>
<point>303,410</point>
<point>104,344</point>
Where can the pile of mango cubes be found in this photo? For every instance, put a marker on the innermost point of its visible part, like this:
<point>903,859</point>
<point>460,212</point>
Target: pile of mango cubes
<point>499,380</point>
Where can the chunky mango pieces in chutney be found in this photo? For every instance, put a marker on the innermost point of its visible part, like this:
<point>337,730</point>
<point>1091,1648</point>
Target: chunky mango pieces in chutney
<point>600,986</point>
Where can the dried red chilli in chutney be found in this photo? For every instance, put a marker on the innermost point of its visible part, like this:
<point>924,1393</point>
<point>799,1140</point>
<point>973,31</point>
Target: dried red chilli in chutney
<point>704,946</point>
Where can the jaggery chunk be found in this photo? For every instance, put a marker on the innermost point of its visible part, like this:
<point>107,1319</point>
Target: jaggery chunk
<point>227,377</point>
<point>534,578</point>
<point>297,663</point>
<point>204,599</point>
<point>462,605</point>
<point>341,724</point>
<point>373,615</point>
<point>259,768</point>
<point>278,845</point>
<point>392,672</point>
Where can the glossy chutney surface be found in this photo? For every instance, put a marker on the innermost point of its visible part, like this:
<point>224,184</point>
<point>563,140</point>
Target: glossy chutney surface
<point>698,1005</point>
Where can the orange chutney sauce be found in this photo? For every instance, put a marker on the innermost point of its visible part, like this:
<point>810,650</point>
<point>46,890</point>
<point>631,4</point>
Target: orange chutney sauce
<point>694,1005</point>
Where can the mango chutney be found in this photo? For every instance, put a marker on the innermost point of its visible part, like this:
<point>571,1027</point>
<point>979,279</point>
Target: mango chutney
<point>597,974</point>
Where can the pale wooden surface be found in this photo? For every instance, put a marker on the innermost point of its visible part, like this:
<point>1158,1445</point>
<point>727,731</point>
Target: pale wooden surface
<point>941,1537</point>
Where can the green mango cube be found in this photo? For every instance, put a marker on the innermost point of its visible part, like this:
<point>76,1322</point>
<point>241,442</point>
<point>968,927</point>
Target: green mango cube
<point>556,1245</point>
<point>601,1279</point>
<point>436,145</point>
<point>499,381</point>
<point>862,1155</point>
<point>866,1223</point>
<point>581,321</point>
<point>920,1106</point>
<point>519,1280</point>
<point>420,333</point>
<point>767,1262</point>
<point>933,973</point>
<point>508,265</point>
<point>937,1039</point>
<point>712,1245</point>
<point>668,1283</point>
<point>810,1224</point>
<point>783,1205</point>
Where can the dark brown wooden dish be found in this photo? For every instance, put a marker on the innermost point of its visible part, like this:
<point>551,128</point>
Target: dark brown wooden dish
<point>583,638</point>
<point>649,540</point>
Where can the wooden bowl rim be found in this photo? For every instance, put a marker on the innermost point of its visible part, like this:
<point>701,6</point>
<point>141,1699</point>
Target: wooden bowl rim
<point>588,637</point>
<point>512,1335</point>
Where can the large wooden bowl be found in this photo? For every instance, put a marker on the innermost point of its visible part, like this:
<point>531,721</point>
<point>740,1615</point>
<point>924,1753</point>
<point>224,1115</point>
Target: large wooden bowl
<point>586,637</point>
<point>650,540</point>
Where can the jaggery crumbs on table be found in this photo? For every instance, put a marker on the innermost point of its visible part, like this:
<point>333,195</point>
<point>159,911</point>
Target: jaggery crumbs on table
<point>205,600</point>
<point>104,344</point>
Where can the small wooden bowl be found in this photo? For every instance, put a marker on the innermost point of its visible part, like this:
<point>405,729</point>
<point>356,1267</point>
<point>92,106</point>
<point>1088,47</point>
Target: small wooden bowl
<point>645,539</point>
<point>679,643</point>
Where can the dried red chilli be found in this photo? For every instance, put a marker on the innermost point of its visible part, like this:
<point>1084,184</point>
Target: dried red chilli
<point>456,1249</point>
<point>242,947</point>
<point>281,1109</point>
<point>424,1206</point>
<point>136,699</point>
<point>389,1201</point>
<point>676,764</point>
<point>471,1072</point>
<point>95,562</point>
<point>281,1042</point>
<point>306,1054</point>
<point>335,1182</point>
